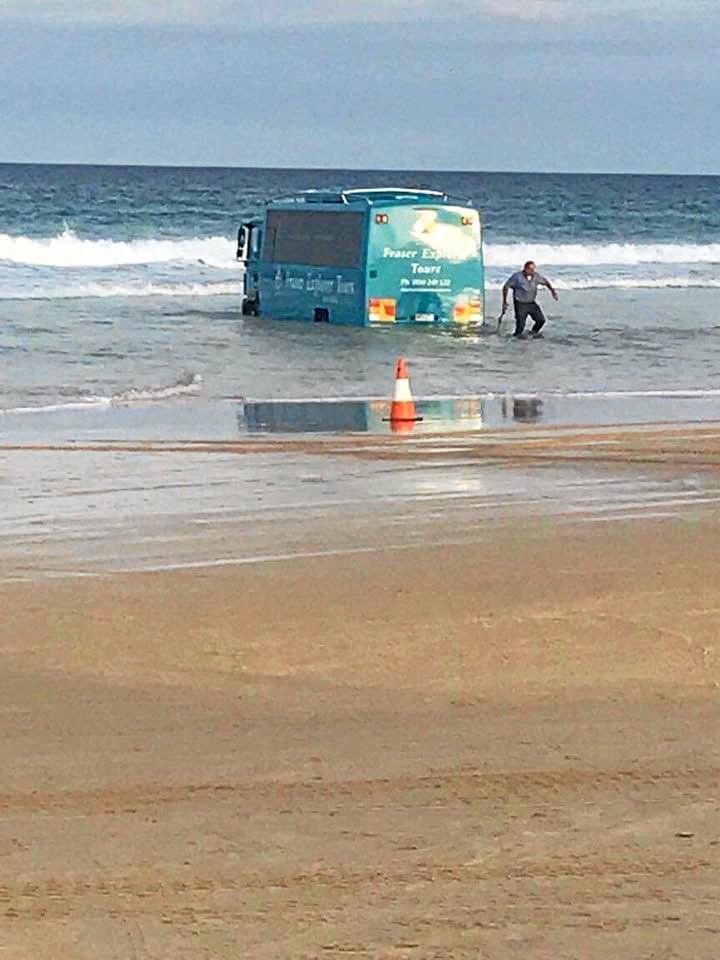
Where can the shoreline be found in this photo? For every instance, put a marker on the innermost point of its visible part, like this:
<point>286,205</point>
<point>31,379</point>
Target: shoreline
<point>164,473</point>
<point>191,416</point>
<point>93,508</point>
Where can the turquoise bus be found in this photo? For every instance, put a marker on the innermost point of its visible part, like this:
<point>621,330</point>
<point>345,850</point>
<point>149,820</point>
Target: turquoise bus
<point>365,257</point>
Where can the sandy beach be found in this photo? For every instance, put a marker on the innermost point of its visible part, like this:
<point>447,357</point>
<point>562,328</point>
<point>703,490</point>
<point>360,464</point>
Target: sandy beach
<point>489,738</point>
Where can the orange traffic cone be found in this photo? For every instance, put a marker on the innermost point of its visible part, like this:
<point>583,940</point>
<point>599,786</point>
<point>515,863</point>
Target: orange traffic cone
<point>403,427</point>
<point>402,408</point>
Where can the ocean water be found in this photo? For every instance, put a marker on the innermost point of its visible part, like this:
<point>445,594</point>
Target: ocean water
<point>118,287</point>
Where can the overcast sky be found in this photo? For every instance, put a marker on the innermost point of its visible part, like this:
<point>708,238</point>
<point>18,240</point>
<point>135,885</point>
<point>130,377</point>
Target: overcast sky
<point>419,84</point>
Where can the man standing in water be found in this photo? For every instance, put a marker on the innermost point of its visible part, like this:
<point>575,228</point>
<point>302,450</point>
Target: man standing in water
<point>524,285</point>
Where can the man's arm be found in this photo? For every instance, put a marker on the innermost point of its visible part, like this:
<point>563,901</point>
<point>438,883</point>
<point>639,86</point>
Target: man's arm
<point>544,282</point>
<point>505,290</point>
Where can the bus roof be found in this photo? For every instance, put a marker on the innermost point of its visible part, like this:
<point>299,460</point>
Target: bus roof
<point>370,197</point>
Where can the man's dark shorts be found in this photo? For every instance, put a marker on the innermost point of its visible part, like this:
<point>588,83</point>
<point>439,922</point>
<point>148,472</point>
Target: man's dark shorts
<point>525,310</point>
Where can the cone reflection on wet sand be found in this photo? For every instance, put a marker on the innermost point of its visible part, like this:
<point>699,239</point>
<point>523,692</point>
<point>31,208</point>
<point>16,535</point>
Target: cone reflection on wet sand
<point>402,427</point>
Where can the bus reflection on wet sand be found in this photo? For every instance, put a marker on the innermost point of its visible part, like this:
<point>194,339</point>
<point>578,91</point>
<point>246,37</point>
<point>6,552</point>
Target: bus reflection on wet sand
<point>355,416</point>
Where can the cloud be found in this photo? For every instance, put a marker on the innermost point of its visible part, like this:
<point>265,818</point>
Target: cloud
<point>574,11</point>
<point>228,12</point>
<point>236,14</point>
<point>531,10</point>
<point>371,83</point>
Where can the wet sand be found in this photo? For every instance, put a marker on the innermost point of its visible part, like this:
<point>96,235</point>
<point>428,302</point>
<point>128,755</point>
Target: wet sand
<point>90,508</point>
<point>504,744</point>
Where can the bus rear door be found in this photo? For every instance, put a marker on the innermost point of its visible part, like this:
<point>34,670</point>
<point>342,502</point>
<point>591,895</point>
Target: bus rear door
<point>425,265</point>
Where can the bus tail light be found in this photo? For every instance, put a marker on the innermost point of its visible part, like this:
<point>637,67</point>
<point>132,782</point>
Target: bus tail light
<point>381,218</point>
<point>468,310</point>
<point>382,309</point>
<point>466,221</point>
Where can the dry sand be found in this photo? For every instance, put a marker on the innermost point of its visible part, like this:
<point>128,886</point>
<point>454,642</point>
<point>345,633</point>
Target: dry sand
<point>499,750</point>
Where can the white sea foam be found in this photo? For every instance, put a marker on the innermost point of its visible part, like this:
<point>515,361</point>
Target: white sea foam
<point>601,254</point>
<point>603,282</point>
<point>637,283</point>
<point>189,384</point>
<point>689,393</point>
<point>98,290</point>
<point>68,250</point>
<point>69,267</point>
<point>77,291</point>
<point>87,403</point>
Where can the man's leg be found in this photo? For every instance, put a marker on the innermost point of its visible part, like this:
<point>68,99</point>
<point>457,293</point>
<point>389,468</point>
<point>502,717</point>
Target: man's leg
<point>521,314</point>
<point>538,317</point>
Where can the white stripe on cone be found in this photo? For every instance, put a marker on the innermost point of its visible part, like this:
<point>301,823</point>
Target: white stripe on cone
<point>402,392</point>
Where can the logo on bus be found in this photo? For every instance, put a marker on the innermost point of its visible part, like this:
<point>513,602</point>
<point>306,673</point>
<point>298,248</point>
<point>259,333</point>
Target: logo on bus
<point>336,285</point>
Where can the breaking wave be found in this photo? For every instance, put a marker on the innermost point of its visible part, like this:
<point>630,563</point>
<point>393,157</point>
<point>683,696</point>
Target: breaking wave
<point>188,385</point>
<point>627,283</point>
<point>80,291</point>
<point>68,250</point>
<point>66,266</point>
<point>91,291</point>
<point>601,254</point>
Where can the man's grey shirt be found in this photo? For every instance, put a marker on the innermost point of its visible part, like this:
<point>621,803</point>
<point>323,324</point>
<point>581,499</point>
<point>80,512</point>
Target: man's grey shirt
<point>524,290</point>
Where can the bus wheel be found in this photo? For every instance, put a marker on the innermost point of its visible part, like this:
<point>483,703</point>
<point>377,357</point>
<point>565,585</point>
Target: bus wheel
<point>249,308</point>
<point>321,315</point>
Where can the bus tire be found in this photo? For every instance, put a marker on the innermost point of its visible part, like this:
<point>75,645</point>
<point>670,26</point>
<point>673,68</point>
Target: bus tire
<point>249,308</point>
<point>321,315</point>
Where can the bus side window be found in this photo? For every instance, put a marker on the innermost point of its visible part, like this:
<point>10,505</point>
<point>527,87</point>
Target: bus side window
<point>256,243</point>
<point>270,241</point>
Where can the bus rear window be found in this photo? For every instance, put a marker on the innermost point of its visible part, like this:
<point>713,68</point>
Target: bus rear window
<point>316,238</point>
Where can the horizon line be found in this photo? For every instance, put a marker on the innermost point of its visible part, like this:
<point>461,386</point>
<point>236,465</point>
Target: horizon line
<point>349,169</point>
